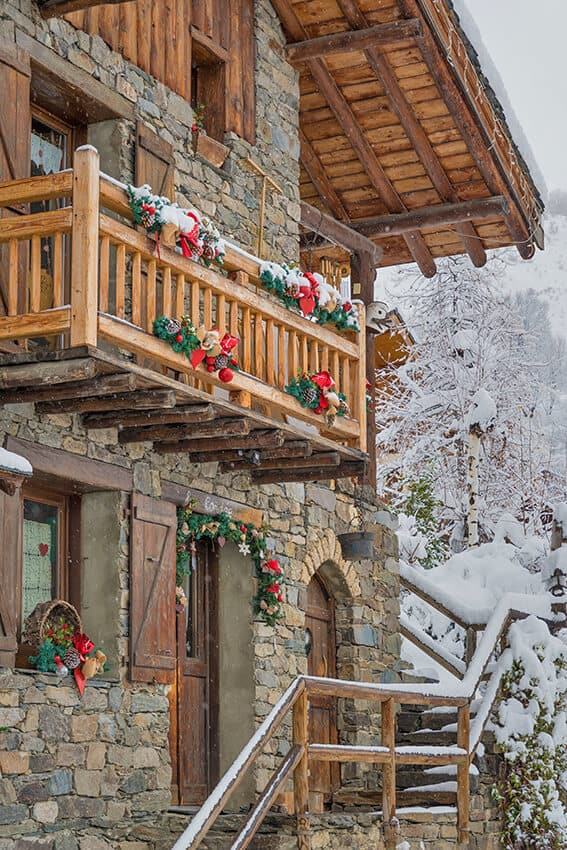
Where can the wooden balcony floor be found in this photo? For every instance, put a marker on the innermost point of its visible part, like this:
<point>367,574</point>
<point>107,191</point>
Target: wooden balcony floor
<point>111,391</point>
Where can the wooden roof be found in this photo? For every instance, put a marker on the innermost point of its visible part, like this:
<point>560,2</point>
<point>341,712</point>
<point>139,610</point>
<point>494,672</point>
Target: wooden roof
<point>396,118</point>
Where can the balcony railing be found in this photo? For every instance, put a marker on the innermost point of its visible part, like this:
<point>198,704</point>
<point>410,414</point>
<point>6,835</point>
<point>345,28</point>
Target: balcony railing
<point>77,272</point>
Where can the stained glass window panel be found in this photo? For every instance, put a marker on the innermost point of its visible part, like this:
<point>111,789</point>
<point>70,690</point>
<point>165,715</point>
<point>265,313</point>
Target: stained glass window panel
<point>39,554</point>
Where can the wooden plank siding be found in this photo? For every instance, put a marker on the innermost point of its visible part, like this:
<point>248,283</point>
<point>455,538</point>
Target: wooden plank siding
<point>156,36</point>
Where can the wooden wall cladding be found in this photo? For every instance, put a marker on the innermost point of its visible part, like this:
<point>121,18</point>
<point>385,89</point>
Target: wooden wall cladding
<point>156,36</point>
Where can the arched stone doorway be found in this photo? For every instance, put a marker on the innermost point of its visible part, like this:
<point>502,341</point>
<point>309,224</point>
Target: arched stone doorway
<point>320,645</point>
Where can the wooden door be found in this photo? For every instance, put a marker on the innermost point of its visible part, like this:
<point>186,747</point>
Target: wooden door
<point>194,707</point>
<point>321,661</point>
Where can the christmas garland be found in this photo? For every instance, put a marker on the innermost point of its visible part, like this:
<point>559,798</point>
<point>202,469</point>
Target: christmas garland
<point>64,650</point>
<point>200,345</point>
<point>194,235</point>
<point>311,294</point>
<point>317,392</point>
<point>250,540</point>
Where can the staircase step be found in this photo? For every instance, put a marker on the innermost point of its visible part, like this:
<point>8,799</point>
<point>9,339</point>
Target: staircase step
<point>428,738</point>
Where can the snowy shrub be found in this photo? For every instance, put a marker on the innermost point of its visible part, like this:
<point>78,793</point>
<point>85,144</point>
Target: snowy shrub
<point>419,502</point>
<point>531,730</point>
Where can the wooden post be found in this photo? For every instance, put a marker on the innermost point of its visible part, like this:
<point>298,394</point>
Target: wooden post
<point>84,249</point>
<point>360,403</point>
<point>241,397</point>
<point>463,775</point>
<point>470,645</point>
<point>301,773</point>
<point>363,273</point>
<point>389,773</point>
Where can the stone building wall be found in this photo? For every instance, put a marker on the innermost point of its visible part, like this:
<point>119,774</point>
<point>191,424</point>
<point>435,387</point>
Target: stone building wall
<point>230,196</point>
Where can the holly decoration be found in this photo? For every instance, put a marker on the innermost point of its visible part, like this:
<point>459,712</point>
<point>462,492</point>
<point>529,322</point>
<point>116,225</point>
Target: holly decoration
<point>64,650</point>
<point>198,117</point>
<point>250,540</point>
<point>200,345</point>
<point>311,294</point>
<point>318,393</point>
<point>183,229</point>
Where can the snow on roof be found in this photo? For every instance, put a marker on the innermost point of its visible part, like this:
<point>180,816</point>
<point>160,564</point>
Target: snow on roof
<point>11,462</point>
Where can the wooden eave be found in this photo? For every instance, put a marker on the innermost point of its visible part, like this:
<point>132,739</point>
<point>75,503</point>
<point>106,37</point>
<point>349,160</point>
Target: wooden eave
<point>392,126</point>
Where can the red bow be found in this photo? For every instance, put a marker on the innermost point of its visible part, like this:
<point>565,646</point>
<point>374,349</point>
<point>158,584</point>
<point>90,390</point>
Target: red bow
<point>83,644</point>
<point>228,342</point>
<point>272,567</point>
<point>323,380</point>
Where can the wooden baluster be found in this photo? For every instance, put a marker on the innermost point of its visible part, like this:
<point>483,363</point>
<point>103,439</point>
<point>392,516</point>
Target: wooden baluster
<point>259,359</point>
<point>246,340</point>
<point>470,645</point>
<point>233,318</point>
<point>13,279</point>
<point>325,358</point>
<point>344,382</point>
<point>313,357</point>
<point>35,279</point>
<point>292,355</point>
<point>194,311</point>
<point>104,264</point>
<point>463,774</point>
<point>301,772</point>
<point>180,295</point>
<point>270,353</point>
<point>166,291</point>
<point>221,314</point>
<point>358,403</point>
<point>151,296</point>
<point>120,280</point>
<point>304,355</point>
<point>389,773</point>
<point>84,248</point>
<point>281,357</point>
<point>208,308</point>
<point>137,289</point>
<point>335,367</point>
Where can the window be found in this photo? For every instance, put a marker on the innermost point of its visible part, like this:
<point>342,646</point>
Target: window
<point>208,82</point>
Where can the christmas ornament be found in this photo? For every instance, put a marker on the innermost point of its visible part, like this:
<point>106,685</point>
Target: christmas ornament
<point>71,658</point>
<point>317,392</point>
<point>200,345</point>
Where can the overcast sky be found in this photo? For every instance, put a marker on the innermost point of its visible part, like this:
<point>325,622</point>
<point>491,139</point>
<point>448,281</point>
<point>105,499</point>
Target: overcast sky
<point>526,40</point>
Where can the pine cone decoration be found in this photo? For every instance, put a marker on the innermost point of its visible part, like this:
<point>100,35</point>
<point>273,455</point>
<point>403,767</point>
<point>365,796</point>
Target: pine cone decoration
<point>71,658</point>
<point>309,395</point>
<point>221,362</point>
<point>172,326</point>
<point>147,219</point>
<point>343,408</point>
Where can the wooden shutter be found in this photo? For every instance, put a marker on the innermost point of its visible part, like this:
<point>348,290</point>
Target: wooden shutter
<point>154,162</point>
<point>152,590</point>
<point>15,141</point>
<point>10,571</point>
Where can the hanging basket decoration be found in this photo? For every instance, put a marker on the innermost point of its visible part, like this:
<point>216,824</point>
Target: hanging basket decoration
<point>184,230</point>
<point>310,294</point>
<point>318,393</point>
<point>200,345</point>
<point>55,628</point>
<point>357,545</point>
<point>250,540</point>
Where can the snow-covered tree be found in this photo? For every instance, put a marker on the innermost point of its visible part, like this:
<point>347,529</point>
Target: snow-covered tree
<point>470,340</point>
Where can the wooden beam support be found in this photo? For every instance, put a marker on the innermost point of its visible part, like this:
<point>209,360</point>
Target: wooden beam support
<point>218,428</point>
<point>211,446</point>
<point>101,386</point>
<point>26,375</point>
<point>319,178</point>
<point>57,8</point>
<point>345,470</point>
<point>323,459</point>
<point>338,233</point>
<point>467,123</point>
<point>380,64</point>
<point>357,138</point>
<point>293,448</point>
<point>122,401</point>
<point>382,35</point>
<point>138,418</point>
<point>439,215</point>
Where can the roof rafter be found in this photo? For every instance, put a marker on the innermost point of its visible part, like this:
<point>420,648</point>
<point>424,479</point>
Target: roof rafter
<point>358,141</point>
<point>56,8</point>
<point>345,42</point>
<point>323,185</point>
<point>415,132</point>
<point>338,233</point>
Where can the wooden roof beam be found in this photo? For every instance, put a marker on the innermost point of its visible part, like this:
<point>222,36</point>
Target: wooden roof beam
<point>415,132</point>
<point>464,118</point>
<point>318,177</point>
<point>57,8</point>
<point>338,233</point>
<point>356,137</point>
<point>439,215</point>
<point>383,35</point>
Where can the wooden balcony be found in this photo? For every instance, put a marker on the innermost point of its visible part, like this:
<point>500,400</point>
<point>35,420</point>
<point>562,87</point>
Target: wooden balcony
<point>82,287</point>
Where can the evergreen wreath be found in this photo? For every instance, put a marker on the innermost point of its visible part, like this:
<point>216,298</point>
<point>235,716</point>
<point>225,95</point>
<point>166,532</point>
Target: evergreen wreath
<point>250,540</point>
<point>317,393</point>
<point>200,345</point>
<point>310,294</point>
<point>185,229</point>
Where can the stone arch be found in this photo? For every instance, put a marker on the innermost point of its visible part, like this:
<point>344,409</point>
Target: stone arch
<point>324,555</point>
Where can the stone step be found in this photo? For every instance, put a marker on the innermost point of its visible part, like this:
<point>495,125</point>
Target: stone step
<point>428,738</point>
<point>426,799</point>
<point>410,776</point>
